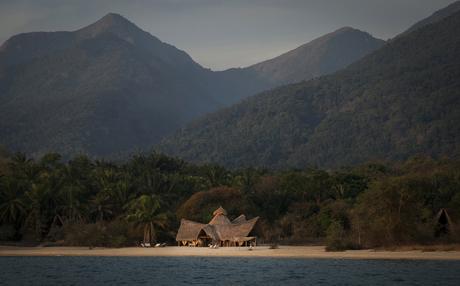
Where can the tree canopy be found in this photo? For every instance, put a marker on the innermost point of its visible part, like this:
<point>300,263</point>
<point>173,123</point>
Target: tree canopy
<point>90,202</point>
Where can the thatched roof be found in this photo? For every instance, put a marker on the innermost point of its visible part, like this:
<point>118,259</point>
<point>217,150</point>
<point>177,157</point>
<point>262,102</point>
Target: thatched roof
<point>232,231</point>
<point>443,212</point>
<point>211,231</point>
<point>189,230</point>
<point>220,228</point>
<point>220,210</point>
<point>219,219</point>
<point>241,218</point>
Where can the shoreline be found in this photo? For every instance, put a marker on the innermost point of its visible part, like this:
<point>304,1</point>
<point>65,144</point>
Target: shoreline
<point>299,252</point>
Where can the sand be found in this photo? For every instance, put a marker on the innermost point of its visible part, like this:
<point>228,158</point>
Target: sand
<point>260,251</point>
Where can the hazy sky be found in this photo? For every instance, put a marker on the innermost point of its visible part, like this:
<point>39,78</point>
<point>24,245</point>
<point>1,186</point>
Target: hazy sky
<point>221,34</point>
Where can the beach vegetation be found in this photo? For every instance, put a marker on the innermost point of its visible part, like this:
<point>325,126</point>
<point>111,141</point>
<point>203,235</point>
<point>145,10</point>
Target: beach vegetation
<point>85,201</point>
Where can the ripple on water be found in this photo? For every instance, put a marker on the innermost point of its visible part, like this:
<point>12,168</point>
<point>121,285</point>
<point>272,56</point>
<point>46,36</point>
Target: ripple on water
<point>224,271</point>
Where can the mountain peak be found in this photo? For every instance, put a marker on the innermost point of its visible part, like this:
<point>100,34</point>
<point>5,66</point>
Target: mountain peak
<point>348,30</point>
<point>345,29</point>
<point>322,55</point>
<point>112,23</point>
<point>356,115</point>
<point>113,19</point>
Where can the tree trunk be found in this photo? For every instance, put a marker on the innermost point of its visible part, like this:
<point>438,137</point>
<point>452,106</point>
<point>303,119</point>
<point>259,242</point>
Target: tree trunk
<point>146,234</point>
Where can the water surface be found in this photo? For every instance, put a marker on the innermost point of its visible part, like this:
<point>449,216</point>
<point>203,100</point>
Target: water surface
<point>224,271</point>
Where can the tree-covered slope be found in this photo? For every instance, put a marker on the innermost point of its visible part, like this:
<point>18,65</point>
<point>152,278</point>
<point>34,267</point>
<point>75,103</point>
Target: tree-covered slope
<point>435,17</point>
<point>105,89</point>
<point>401,100</point>
<point>109,89</point>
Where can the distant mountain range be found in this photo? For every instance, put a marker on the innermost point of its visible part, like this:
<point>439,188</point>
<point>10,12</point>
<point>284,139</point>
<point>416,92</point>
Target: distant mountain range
<point>110,88</point>
<point>401,100</point>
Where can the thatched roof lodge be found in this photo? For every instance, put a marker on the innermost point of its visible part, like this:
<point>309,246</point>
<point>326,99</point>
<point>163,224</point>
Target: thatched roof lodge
<point>443,223</point>
<point>219,231</point>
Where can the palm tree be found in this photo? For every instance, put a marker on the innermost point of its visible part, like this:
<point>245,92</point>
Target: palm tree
<point>215,175</point>
<point>42,201</point>
<point>122,192</point>
<point>23,168</point>
<point>70,206</point>
<point>12,208</point>
<point>73,194</point>
<point>101,206</point>
<point>103,203</point>
<point>144,211</point>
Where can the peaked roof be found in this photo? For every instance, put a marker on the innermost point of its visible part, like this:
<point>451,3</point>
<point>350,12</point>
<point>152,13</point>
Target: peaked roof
<point>440,213</point>
<point>220,210</point>
<point>189,230</point>
<point>241,218</point>
<point>219,219</point>
<point>219,228</point>
<point>231,231</point>
<point>235,231</point>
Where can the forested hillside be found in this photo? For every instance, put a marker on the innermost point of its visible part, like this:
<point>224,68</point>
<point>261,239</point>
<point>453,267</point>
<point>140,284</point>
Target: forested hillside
<point>401,100</point>
<point>106,89</point>
<point>111,89</point>
<point>436,17</point>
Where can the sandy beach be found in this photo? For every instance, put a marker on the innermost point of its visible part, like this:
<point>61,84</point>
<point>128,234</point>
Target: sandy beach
<point>260,251</point>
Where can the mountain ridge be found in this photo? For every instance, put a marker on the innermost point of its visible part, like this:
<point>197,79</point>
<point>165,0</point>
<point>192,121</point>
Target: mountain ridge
<point>318,57</point>
<point>435,17</point>
<point>107,88</point>
<point>398,101</point>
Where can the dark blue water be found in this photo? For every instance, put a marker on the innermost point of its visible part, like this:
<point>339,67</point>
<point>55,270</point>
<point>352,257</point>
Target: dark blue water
<point>224,271</point>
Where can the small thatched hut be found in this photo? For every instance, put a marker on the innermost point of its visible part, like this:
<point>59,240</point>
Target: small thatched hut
<point>219,231</point>
<point>444,223</point>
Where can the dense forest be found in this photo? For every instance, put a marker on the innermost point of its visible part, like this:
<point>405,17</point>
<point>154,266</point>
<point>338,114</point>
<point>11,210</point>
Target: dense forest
<point>99,203</point>
<point>401,100</point>
<point>111,88</point>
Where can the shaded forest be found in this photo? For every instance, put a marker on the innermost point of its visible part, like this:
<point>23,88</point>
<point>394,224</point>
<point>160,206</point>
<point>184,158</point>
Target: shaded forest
<point>399,101</point>
<point>100,203</point>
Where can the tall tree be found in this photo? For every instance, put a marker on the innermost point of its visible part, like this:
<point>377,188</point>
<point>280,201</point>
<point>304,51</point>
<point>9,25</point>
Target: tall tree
<point>145,211</point>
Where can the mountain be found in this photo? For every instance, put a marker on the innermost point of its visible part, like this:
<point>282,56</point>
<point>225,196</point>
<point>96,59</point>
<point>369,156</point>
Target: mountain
<point>401,100</point>
<point>321,56</point>
<point>436,17</point>
<point>105,89</point>
<point>110,88</point>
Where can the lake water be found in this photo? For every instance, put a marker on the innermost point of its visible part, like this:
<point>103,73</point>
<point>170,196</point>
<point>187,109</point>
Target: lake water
<point>223,271</point>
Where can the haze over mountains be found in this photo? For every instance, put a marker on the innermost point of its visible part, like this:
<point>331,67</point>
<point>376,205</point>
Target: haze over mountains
<point>322,56</point>
<point>110,88</point>
<point>401,100</point>
<point>103,89</point>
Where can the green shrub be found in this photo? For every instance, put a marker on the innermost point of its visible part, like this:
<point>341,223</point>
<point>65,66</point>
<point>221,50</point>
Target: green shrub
<point>336,239</point>
<point>117,233</point>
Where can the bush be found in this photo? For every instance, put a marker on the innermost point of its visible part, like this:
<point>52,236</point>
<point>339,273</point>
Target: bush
<point>84,235</point>
<point>117,233</point>
<point>337,240</point>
